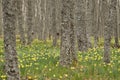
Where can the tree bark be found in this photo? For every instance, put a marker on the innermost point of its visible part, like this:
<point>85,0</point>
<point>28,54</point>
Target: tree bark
<point>107,29</point>
<point>20,21</point>
<point>114,21</point>
<point>67,52</point>
<point>9,20</point>
<point>89,21</point>
<point>1,28</point>
<point>29,16</point>
<point>96,23</point>
<point>81,26</point>
<point>54,27</point>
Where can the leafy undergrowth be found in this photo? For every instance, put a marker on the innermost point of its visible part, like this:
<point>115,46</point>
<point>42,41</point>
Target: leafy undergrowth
<point>40,61</point>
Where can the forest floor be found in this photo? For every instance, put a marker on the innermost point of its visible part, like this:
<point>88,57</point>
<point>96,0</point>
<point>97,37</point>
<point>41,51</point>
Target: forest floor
<point>40,61</point>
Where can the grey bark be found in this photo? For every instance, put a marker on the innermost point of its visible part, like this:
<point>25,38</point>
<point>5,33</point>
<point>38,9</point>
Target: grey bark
<point>81,25</point>
<point>9,20</point>
<point>89,21</point>
<point>49,16</point>
<point>20,21</point>
<point>54,27</point>
<point>67,52</point>
<point>45,28</point>
<point>38,25</point>
<point>29,19</point>
<point>42,20</point>
<point>1,29</point>
<point>107,29</point>
<point>96,23</point>
<point>35,19</point>
<point>113,8</point>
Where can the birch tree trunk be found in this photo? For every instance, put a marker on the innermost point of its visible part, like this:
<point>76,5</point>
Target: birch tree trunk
<point>9,20</point>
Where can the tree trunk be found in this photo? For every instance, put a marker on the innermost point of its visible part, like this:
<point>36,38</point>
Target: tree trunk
<point>54,27</point>
<point>29,21</point>
<point>81,26</point>
<point>89,21</point>
<point>41,34</point>
<point>20,21</point>
<point>96,23</point>
<point>114,21</point>
<point>0,17</point>
<point>9,19</point>
<point>107,29</point>
<point>67,52</point>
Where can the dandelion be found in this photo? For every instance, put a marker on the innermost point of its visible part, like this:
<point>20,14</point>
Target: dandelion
<point>3,76</point>
<point>86,58</point>
<point>29,77</point>
<point>66,75</point>
<point>61,77</point>
<point>54,75</point>
<point>45,66</point>
<point>18,66</point>
<point>2,60</point>
<point>72,68</point>
<point>36,68</point>
<point>49,69</point>
<point>34,59</point>
<point>22,66</point>
<point>81,69</point>
<point>94,65</point>
<point>110,71</point>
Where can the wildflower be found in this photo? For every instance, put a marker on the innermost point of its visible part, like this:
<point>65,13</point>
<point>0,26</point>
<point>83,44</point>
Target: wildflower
<point>94,65</point>
<point>54,75</point>
<point>34,59</point>
<point>3,76</point>
<point>50,69</point>
<point>72,68</point>
<point>29,77</point>
<point>66,75</point>
<point>36,68</point>
<point>60,76</point>
<point>45,66</point>
<point>110,71</point>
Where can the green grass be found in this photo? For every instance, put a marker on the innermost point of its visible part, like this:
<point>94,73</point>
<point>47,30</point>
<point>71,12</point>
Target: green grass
<point>40,61</point>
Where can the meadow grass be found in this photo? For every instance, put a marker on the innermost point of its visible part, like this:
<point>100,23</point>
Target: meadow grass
<point>40,61</point>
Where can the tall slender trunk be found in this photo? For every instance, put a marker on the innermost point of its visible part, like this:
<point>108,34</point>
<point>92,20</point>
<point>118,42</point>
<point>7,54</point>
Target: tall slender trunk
<point>96,22</point>
<point>114,21</point>
<point>9,20</point>
<point>42,5</point>
<point>67,52</point>
<point>89,21</point>
<point>29,20</point>
<point>107,29</point>
<point>20,21</point>
<point>81,26</point>
<point>54,27</point>
<point>0,17</point>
